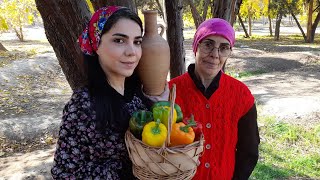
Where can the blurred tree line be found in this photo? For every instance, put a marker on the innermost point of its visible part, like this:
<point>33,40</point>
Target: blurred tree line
<point>64,20</point>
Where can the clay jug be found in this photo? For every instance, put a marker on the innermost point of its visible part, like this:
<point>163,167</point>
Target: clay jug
<point>154,64</point>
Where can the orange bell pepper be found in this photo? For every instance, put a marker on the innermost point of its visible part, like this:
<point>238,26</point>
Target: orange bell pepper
<point>182,134</point>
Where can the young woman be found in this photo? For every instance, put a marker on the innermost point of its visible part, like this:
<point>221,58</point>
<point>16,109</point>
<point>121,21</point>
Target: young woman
<point>224,105</point>
<point>91,138</point>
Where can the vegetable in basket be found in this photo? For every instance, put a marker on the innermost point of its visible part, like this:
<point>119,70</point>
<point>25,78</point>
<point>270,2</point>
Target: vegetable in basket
<point>197,128</point>
<point>138,120</point>
<point>163,113</point>
<point>154,133</point>
<point>167,104</point>
<point>182,134</point>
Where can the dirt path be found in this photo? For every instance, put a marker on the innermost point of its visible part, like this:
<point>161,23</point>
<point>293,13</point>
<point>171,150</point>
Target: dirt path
<point>290,90</point>
<point>34,91</point>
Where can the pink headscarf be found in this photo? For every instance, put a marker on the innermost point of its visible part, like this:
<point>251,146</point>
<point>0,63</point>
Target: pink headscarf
<point>90,38</point>
<point>214,26</point>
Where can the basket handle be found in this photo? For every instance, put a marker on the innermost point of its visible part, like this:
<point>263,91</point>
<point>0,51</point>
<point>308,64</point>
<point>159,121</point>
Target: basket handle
<point>172,98</point>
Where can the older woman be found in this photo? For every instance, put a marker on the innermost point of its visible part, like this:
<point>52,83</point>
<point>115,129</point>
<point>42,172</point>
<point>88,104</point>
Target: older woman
<point>224,105</point>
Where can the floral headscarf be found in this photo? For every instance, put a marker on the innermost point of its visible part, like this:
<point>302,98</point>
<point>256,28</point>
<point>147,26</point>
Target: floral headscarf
<point>90,38</point>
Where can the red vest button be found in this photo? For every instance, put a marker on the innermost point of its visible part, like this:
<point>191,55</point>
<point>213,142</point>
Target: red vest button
<point>207,165</point>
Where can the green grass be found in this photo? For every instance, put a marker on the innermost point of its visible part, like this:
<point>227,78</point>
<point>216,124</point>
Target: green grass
<point>263,42</point>
<point>239,75</point>
<point>287,151</point>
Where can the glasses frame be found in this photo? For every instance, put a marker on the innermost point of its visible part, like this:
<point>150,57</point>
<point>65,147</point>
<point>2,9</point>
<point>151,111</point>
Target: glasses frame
<point>219,52</point>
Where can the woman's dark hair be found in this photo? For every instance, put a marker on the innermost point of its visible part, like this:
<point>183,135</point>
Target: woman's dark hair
<point>108,109</point>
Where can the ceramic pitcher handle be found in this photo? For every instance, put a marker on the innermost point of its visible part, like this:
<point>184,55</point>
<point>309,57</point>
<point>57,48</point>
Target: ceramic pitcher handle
<point>162,29</point>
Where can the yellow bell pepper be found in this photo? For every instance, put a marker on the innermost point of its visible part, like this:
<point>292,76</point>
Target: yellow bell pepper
<point>154,133</point>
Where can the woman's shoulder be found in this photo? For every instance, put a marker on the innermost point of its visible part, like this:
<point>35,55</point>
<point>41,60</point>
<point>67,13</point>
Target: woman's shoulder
<point>231,80</point>
<point>182,79</point>
<point>80,93</point>
<point>234,83</point>
<point>80,101</point>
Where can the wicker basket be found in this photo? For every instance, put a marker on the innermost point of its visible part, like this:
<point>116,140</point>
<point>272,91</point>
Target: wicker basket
<point>179,162</point>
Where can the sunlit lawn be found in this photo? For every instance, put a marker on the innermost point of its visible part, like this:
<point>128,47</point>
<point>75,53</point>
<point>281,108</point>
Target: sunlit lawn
<point>287,151</point>
<point>292,42</point>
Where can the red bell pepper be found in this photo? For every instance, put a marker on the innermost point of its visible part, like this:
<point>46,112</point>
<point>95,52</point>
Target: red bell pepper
<point>197,128</point>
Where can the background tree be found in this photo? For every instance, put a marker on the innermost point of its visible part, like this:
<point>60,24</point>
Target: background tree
<point>243,26</point>
<point>16,14</point>
<point>269,18</point>
<point>175,37</point>
<point>278,7</point>
<point>266,11</point>
<point>296,7</point>
<point>152,4</point>
<point>199,10</point>
<point>2,48</point>
<point>126,3</point>
<point>197,19</point>
<point>63,22</point>
<point>226,9</point>
<point>312,25</point>
<point>250,9</point>
<point>3,27</point>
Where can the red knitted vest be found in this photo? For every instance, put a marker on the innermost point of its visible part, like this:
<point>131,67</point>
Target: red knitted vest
<point>219,116</point>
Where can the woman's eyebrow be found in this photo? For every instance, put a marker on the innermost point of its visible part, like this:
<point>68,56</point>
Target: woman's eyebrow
<point>214,42</point>
<point>210,40</point>
<point>225,44</point>
<point>126,36</point>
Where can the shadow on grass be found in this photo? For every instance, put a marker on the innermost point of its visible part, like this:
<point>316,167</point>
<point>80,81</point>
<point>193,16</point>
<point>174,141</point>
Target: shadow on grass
<point>263,171</point>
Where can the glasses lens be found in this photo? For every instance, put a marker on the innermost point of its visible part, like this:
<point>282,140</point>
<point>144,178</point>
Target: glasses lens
<point>224,50</point>
<point>206,46</point>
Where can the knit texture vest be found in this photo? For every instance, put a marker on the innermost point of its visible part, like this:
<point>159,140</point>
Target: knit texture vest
<point>219,116</point>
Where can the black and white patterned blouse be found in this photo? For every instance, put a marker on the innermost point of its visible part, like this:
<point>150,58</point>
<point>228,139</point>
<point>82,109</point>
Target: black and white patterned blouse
<point>83,152</point>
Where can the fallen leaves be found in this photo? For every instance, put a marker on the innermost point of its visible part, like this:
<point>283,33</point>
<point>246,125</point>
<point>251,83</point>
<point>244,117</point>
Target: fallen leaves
<point>9,147</point>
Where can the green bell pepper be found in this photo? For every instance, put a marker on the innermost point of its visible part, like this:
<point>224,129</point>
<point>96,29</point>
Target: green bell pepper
<point>167,103</point>
<point>138,120</point>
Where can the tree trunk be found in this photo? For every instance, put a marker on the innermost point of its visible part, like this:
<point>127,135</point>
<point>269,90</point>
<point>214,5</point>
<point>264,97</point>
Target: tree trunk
<point>269,18</point>
<point>175,37</point>
<point>2,48</point>
<point>161,11</point>
<point>270,25</point>
<point>64,21</point>
<point>314,27</point>
<point>233,12</point>
<point>195,14</point>
<point>205,9</point>
<point>277,30</point>
<point>18,34</point>
<point>243,27</point>
<point>250,24</point>
<point>226,9</point>
<point>126,3</point>
<point>299,26</point>
<point>309,25</point>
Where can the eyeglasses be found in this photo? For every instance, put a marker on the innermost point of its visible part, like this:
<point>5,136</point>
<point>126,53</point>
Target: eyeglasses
<point>207,46</point>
